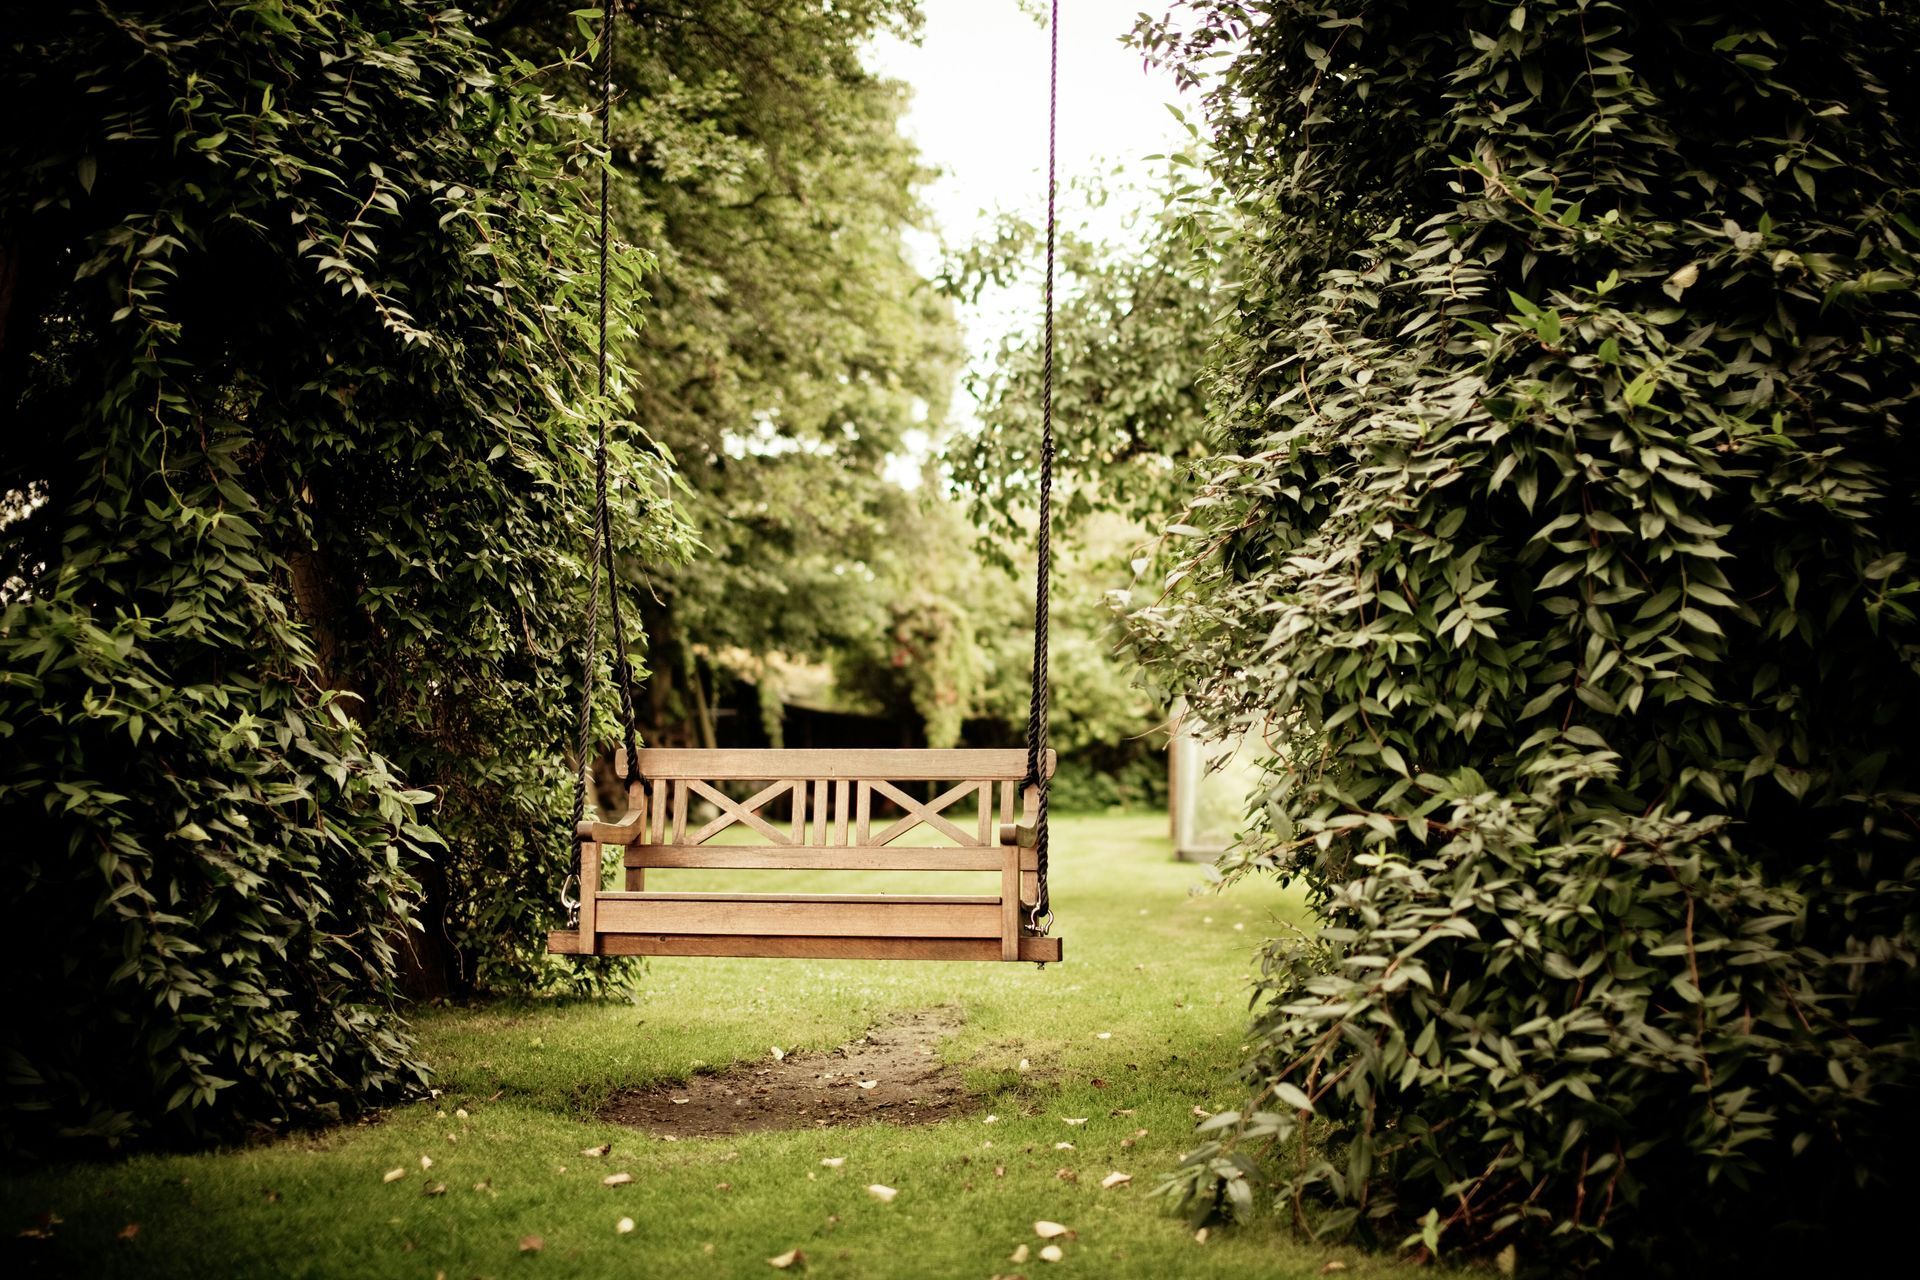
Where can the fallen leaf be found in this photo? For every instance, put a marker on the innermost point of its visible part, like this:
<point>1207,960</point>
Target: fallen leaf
<point>435,1189</point>
<point>833,1162</point>
<point>1025,1065</point>
<point>129,1231</point>
<point>1103,1035</point>
<point>1052,1253</point>
<point>1116,1179</point>
<point>791,1258</point>
<point>679,1102</point>
<point>426,1162</point>
<point>601,1150</point>
<point>532,1244</point>
<point>723,1186</point>
<point>623,1227</point>
<point>1066,1175</point>
<point>1049,1230</point>
<point>1126,1142</point>
<point>1506,1260</point>
<point>779,1054</point>
<point>1332,1265</point>
<point>393,1175</point>
<point>1074,1119</point>
<point>991,1120</point>
<point>460,1113</point>
<point>884,1195</point>
<point>1063,1146</point>
<point>1200,1236</point>
<point>1018,1256</point>
<point>1202,1112</point>
<point>866,1084</point>
<point>616,1180</point>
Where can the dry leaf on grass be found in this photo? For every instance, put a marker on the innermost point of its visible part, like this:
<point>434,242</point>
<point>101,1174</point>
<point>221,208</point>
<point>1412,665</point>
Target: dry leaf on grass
<point>1116,1179</point>
<point>460,1113</point>
<point>435,1189</point>
<point>616,1180</point>
<point>779,1054</point>
<point>1025,1065</point>
<point>866,1084</point>
<point>532,1244</point>
<point>1074,1119</point>
<point>393,1175</point>
<point>1018,1256</point>
<point>1202,1112</point>
<point>1508,1258</point>
<point>791,1258</point>
<point>679,1102</point>
<point>129,1231</point>
<point>1050,1230</point>
<point>1103,1035</point>
<point>991,1120</point>
<point>833,1162</point>
<point>1200,1236</point>
<point>1063,1146</point>
<point>426,1162</point>
<point>1052,1253</point>
<point>884,1195</point>
<point>1332,1265</point>
<point>623,1227</point>
<point>604,1148</point>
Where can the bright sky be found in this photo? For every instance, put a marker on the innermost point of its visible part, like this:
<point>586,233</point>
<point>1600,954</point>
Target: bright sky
<point>979,115</point>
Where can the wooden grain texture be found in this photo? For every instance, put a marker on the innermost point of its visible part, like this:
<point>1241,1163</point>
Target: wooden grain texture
<point>1032,950</point>
<point>898,765</point>
<point>833,858</point>
<point>820,916</point>
<point>1010,902</point>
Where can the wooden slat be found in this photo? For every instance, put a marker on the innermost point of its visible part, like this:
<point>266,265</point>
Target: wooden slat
<point>589,890</point>
<point>822,801</point>
<point>1032,950</point>
<point>679,813</point>
<point>833,917</point>
<point>898,765</point>
<point>842,790</point>
<point>1010,903</point>
<point>919,814</point>
<point>659,812</point>
<point>745,813</point>
<point>854,899</point>
<point>615,832</point>
<point>986,813</point>
<point>834,858</point>
<point>799,811</point>
<point>865,815</point>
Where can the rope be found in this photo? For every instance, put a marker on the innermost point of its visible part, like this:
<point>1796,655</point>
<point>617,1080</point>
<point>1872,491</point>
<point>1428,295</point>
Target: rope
<point>1040,918</point>
<point>602,546</point>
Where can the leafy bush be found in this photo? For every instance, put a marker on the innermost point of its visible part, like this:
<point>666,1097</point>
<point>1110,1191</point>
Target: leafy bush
<point>1561,534</point>
<point>289,361</point>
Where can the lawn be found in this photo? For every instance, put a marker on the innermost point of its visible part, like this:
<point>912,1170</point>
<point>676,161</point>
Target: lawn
<point>1145,1018</point>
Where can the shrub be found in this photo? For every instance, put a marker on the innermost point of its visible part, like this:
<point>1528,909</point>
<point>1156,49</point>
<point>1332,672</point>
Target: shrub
<point>1560,535</point>
<point>293,296</point>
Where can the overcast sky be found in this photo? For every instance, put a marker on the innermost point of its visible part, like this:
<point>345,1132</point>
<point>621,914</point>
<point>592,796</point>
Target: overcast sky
<point>979,115</point>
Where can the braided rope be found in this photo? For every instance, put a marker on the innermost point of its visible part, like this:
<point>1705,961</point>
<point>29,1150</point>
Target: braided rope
<point>602,545</point>
<point>1040,918</point>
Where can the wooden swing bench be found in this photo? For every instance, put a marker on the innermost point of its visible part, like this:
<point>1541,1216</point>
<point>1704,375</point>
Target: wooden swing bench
<point>841,816</point>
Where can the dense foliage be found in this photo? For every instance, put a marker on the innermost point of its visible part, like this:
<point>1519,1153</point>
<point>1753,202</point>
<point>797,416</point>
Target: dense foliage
<point>791,348</point>
<point>1560,543</point>
<point>294,298</point>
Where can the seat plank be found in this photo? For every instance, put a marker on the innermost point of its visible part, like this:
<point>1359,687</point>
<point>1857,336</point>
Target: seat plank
<point>742,857</point>
<point>773,915</point>
<point>1035,950</point>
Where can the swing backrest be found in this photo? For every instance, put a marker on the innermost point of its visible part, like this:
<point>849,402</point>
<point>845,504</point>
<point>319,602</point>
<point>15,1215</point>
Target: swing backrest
<point>855,810</point>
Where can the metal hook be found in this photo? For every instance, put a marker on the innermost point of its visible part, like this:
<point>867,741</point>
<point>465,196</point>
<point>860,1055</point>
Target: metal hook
<point>570,903</point>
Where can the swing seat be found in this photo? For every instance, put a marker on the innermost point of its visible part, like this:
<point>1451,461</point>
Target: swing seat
<point>844,811</point>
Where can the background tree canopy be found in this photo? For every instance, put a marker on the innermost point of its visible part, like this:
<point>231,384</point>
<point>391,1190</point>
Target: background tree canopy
<point>1559,546</point>
<point>295,300</point>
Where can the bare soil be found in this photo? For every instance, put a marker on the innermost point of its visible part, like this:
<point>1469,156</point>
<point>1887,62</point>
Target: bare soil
<point>891,1075</point>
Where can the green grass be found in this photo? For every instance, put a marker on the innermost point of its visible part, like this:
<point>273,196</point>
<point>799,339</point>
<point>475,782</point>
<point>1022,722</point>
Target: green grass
<point>1163,972</point>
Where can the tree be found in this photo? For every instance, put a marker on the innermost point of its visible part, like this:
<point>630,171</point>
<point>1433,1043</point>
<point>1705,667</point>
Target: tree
<point>1560,541</point>
<point>297,491</point>
<point>791,346</point>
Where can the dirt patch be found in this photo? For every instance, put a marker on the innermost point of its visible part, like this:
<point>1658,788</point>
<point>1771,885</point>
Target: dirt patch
<point>891,1075</point>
